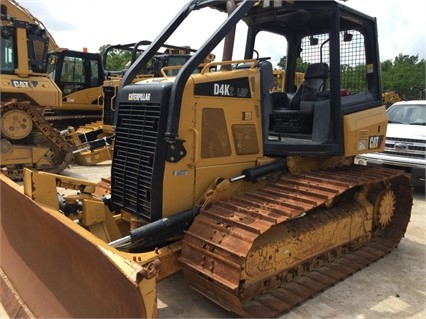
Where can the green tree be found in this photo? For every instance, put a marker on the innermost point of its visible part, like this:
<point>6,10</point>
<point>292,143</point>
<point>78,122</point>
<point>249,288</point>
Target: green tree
<point>400,75</point>
<point>386,65</point>
<point>352,78</point>
<point>281,64</point>
<point>403,73</point>
<point>300,65</point>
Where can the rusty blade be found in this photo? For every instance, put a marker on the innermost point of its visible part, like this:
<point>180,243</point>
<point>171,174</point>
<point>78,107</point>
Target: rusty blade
<point>61,270</point>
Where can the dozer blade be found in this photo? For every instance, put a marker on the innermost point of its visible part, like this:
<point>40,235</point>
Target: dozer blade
<point>53,268</point>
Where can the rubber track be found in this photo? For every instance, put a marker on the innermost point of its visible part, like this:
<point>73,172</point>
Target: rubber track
<point>63,148</point>
<point>255,213</point>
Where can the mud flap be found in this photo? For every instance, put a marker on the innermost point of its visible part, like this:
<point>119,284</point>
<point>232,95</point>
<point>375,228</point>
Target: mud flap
<point>59,269</point>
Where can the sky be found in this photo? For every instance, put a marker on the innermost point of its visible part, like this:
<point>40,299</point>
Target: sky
<point>90,24</point>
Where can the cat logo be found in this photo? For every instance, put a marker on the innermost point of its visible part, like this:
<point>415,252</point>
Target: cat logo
<point>375,142</point>
<point>21,83</point>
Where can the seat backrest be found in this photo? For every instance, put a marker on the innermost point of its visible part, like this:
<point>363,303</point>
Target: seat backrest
<point>315,80</point>
<point>266,75</point>
<point>267,83</point>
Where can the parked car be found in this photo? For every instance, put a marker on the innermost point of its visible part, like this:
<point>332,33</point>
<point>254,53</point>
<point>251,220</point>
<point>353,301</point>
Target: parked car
<point>405,146</point>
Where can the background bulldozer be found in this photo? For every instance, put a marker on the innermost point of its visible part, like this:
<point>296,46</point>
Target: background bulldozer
<point>78,74</point>
<point>27,138</point>
<point>44,89</point>
<point>252,194</point>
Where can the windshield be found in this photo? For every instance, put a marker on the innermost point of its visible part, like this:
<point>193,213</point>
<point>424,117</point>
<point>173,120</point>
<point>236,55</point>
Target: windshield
<point>7,57</point>
<point>414,114</point>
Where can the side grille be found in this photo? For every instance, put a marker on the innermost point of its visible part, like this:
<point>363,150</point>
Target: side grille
<point>134,155</point>
<point>405,147</point>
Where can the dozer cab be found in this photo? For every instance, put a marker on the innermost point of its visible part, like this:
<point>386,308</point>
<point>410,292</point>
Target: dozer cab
<point>80,76</point>
<point>252,193</point>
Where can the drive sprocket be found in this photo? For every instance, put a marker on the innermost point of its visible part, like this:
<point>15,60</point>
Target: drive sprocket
<point>16,124</point>
<point>21,123</point>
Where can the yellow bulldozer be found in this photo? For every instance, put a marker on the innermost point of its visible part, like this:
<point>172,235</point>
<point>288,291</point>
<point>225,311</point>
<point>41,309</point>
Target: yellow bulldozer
<point>78,74</point>
<point>27,138</point>
<point>44,90</point>
<point>254,197</point>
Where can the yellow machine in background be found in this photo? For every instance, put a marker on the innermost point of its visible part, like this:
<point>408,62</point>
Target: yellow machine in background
<point>45,90</point>
<point>279,80</point>
<point>94,142</point>
<point>80,76</point>
<point>416,93</point>
<point>253,194</point>
<point>28,139</point>
<point>391,97</point>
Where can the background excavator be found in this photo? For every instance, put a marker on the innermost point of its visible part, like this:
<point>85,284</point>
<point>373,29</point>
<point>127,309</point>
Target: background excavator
<point>252,193</point>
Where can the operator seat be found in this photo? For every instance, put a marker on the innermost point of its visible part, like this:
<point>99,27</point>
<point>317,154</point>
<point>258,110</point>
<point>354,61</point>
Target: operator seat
<point>314,82</point>
<point>297,117</point>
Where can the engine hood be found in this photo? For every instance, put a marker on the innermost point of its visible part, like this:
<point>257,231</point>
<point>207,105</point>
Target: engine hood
<point>406,131</point>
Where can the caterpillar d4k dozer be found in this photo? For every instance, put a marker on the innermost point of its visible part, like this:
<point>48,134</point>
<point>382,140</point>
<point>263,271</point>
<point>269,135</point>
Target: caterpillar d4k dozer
<point>27,138</point>
<point>252,193</point>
